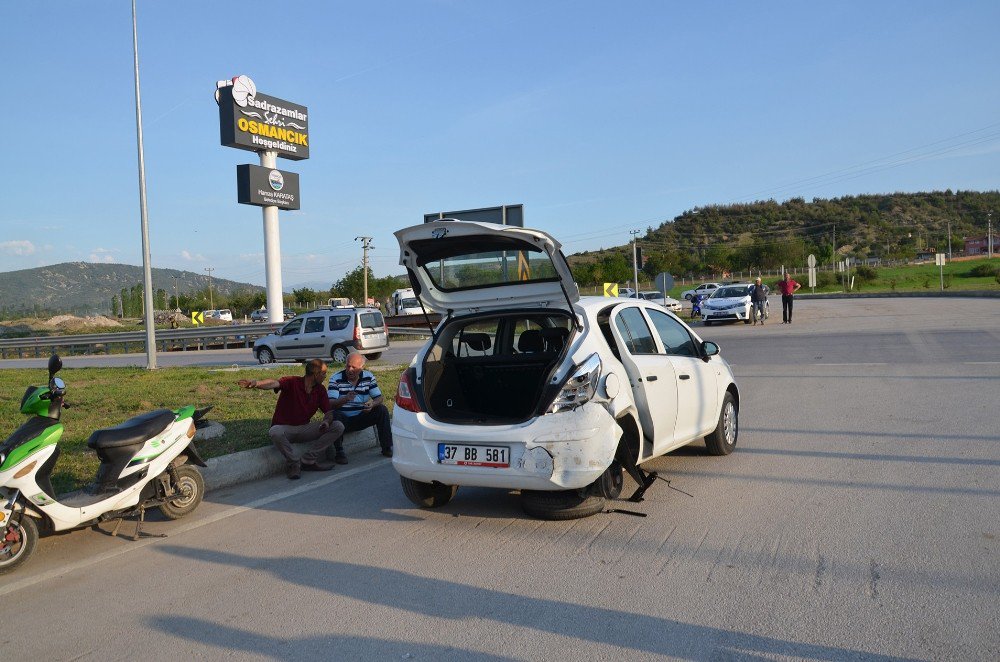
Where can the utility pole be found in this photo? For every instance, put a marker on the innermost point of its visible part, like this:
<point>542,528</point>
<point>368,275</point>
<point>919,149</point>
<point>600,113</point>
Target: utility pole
<point>211,299</point>
<point>949,241</point>
<point>989,233</point>
<point>177,301</point>
<point>366,243</point>
<point>635,261</point>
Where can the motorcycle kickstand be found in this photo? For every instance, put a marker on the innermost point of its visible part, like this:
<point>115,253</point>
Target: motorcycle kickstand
<point>138,527</point>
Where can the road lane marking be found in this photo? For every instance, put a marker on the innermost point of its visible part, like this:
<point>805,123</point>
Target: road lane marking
<point>982,362</point>
<point>184,528</point>
<point>850,364</point>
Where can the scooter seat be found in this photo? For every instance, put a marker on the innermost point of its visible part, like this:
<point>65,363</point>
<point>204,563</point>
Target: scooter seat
<point>135,430</point>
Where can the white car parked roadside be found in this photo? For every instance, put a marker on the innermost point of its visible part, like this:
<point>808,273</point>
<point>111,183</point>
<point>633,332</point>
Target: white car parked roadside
<point>730,302</point>
<point>527,386</point>
<point>669,303</point>
<point>705,289</point>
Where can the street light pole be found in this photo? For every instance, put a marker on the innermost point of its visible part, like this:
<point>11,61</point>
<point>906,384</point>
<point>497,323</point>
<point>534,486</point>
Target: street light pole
<point>366,244</point>
<point>635,261</point>
<point>147,271</point>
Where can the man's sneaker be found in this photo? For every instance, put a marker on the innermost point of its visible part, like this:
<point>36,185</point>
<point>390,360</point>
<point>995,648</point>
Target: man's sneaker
<point>318,466</point>
<point>387,452</point>
<point>340,457</point>
<point>294,470</point>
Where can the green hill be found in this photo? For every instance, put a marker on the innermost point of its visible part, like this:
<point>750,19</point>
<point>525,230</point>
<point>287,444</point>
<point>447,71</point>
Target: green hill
<point>768,234</point>
<point>87,288</point>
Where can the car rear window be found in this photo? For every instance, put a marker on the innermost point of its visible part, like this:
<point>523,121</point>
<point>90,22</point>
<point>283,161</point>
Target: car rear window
<point>730,292</point>
<point>371,320</point>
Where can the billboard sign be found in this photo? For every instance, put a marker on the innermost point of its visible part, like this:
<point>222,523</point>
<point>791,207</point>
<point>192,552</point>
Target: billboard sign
<point>258,122</point>
<point>267,187</point>
<point>502,215</point>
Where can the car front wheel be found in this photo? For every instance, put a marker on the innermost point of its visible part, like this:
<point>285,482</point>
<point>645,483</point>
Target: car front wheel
<point>722,440</point>
<point>264,355</point>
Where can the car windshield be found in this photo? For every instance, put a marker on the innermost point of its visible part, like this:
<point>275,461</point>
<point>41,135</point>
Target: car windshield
<point>409,303</point>
<point>731,292</point>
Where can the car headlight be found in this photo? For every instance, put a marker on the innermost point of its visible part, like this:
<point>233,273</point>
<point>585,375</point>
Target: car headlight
<point>580,387</point>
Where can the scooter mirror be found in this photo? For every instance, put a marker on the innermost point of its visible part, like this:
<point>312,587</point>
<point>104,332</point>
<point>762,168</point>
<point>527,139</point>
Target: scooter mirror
<point>55,365</point>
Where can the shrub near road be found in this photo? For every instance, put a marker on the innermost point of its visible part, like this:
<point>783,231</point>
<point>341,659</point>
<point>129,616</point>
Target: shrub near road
<point>104,397</point>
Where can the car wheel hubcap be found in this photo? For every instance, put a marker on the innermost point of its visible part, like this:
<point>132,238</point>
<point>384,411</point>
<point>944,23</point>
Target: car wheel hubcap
<point>729,423</point>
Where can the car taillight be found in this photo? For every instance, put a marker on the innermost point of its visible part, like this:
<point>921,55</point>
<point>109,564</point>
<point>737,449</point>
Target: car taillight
<point>386,327</point>
<point>405,395</point>
<point>357,333</point>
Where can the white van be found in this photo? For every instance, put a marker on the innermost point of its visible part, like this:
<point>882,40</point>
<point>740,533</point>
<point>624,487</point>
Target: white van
<point>404,302</point>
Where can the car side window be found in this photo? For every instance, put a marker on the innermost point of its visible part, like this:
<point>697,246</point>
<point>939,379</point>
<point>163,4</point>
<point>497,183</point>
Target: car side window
<point>675,338</point>
<point>338,322</point>
<point>292,327</point>
<point>634,330</point>
<point>314,324</point>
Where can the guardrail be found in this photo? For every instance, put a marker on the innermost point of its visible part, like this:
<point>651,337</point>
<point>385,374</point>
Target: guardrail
<point>206,337</point>
<point>167,340</point>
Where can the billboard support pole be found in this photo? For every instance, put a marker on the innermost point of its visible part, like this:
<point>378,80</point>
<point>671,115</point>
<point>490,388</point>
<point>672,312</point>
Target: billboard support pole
<point>272,251</point>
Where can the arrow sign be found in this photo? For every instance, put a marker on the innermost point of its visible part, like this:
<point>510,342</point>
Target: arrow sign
<point>197,317</point>
<point>611,289</point>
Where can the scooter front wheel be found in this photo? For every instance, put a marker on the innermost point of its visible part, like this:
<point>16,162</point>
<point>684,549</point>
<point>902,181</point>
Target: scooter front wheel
<point>17,543</point>
<point>190,489</point>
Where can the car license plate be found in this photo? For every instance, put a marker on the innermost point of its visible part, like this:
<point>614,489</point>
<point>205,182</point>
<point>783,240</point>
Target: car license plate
<point>474,456</point>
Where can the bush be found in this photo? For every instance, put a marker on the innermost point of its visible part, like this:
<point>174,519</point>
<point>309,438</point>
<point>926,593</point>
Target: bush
<point>892,284</point>
<point>867,274</point>
<point>947,281</point>
<point>825,278</point>
<point>984,271</point>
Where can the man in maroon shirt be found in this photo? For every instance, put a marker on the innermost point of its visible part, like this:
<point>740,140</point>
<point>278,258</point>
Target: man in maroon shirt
<point>788,287</point>
<point>298,400</point>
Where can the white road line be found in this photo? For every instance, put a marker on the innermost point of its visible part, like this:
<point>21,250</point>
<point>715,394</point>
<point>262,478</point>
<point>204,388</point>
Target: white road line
<point>982,363</point>
<point>850,364</point>
<point>131,546</point>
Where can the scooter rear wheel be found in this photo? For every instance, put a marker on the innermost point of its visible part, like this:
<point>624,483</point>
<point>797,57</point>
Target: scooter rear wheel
<point>17,542</point>
<point>191,489</point>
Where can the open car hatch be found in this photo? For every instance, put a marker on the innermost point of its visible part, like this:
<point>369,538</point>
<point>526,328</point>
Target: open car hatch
<point>465,266</point>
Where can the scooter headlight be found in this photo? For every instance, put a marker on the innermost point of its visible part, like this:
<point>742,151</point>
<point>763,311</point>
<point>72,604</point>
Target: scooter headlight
<point>580,387</point>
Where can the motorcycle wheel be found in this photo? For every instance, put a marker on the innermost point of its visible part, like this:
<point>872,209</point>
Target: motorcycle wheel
<point>191,488</point>
<point>17,544</point>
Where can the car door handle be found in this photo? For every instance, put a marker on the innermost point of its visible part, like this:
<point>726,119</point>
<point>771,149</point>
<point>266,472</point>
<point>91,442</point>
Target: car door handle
<point>685,376</point>
<point>651,378</point>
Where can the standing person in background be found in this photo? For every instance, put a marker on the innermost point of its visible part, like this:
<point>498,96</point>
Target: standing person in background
<point>758,300</point>
<point>788,287</point>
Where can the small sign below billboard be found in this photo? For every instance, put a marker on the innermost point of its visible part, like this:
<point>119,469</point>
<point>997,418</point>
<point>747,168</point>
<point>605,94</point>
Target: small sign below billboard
<point>267,187</point>
<point>939,259</point>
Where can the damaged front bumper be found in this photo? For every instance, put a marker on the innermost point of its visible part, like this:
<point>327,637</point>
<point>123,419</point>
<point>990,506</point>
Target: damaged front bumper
<point>560,451</point>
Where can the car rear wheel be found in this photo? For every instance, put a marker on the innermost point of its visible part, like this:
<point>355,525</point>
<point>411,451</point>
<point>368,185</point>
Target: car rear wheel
<point>427,495</point>
<point>339,354</point>
<point>375,357</point>
<point>722,440</point>
<point>688,297</point>
<point>563,504</point>
<point>264,355</point>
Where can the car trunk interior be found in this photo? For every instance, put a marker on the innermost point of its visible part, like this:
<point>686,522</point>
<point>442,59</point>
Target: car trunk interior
<point>494,369</point>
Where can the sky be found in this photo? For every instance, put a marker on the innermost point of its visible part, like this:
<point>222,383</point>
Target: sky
<point>598,117</point>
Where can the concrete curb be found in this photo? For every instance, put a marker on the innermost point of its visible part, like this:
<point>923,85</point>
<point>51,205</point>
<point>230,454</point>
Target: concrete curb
<point>257,463</point>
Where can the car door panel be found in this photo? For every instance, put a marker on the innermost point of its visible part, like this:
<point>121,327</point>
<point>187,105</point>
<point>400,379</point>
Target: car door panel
<point>697,399</point>
<point>651,376</point>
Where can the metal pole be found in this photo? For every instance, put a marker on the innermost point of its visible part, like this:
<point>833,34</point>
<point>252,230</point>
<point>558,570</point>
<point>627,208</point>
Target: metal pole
<point>147,271</point>
<point>949,240</point>
<point>177,301</point>
<point>211,299</point>
<point>272,250</point>
<point>365,243</point>
<point>635,261</point>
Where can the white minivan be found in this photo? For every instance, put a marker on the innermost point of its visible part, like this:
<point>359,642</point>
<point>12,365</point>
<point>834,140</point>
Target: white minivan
<point>527,386</point>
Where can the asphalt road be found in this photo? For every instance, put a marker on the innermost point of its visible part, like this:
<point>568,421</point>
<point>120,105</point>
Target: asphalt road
<point>857,519</point>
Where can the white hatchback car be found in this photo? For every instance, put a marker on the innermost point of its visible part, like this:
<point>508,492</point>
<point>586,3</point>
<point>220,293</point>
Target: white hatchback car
<point>525,385</point>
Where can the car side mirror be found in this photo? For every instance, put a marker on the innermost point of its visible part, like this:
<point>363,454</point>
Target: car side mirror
<point>709,349</point>
<point>55,365</point>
